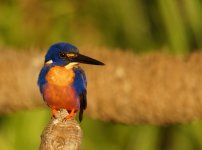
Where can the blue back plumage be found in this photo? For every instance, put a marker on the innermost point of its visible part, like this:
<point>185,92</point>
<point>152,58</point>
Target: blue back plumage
<point>42,76</point>
<point>80,82</point>
<point>79,85</point>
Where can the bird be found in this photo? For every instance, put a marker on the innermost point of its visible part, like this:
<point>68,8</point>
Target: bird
<point>62,82</point>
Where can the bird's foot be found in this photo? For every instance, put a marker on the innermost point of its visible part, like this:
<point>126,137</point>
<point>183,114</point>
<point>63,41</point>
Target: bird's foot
<point>53,112</point>
<point>70,116</point>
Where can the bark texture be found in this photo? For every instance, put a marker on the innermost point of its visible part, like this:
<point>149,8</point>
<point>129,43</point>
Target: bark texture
<point>151,88</point>
<point>60,134</point>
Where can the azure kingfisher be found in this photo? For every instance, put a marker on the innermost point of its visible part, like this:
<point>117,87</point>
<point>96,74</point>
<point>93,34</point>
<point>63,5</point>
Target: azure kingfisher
<point>62,82</point>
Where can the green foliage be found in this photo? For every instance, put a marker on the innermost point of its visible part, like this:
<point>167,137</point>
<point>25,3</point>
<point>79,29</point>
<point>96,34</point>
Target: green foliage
<point>22,130</point>
<point>140,25</point>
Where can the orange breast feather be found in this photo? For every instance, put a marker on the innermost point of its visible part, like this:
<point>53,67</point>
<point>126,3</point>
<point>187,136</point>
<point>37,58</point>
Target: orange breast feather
<point>59,92</point>
<point>60,76</point>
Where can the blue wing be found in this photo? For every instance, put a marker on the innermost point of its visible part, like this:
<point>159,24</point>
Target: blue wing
<point>80,84</point>
<point>42,77</point>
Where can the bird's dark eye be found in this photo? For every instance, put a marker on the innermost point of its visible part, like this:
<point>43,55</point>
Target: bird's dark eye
<point>62,55</point>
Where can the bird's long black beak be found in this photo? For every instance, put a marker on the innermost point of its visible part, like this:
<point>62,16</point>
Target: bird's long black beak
<point>86,60</point>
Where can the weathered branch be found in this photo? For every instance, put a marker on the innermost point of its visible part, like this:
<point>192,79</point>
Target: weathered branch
<point>151,88</point>
<point>60,134</point>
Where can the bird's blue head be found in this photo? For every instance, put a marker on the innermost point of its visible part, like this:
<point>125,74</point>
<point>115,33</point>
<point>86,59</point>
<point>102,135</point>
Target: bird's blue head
<point>63,54</point>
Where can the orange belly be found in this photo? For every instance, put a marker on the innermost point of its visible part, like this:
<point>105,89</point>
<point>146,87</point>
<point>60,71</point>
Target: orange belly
<point>58,97</point>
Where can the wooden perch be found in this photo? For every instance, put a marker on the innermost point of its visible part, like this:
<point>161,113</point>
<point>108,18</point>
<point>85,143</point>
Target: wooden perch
<point>151,88</point>
<point>60,134</point>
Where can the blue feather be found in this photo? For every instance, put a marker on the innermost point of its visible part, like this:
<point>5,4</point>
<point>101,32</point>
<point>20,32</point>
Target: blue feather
<point>79,80</point>
<point>42,76</point>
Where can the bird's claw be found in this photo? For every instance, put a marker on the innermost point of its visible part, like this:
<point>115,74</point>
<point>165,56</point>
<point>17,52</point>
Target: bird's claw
<point>69,116</point>
<point>54,112</point>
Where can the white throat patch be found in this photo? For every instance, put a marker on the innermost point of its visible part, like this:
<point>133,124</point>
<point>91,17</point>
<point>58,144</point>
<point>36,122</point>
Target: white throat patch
<point>68,66</point>
<point>49,62</point>
<point>71,65</point>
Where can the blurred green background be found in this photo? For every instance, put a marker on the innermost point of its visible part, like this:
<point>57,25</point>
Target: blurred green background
<point>173,26</point>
